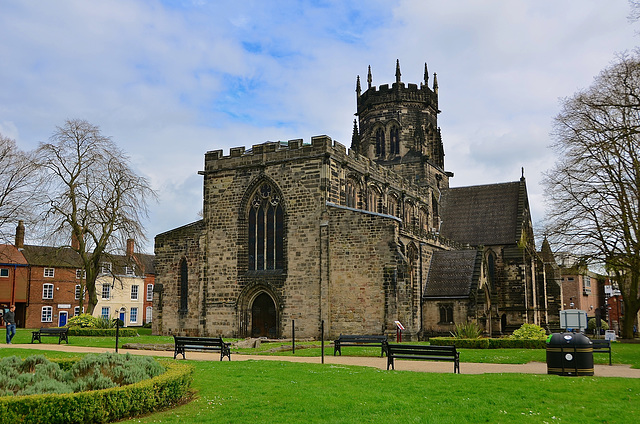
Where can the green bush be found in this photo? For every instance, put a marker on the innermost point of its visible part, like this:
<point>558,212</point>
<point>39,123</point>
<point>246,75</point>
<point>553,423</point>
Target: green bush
<point>37,375</point>
<point>486,343</point>
<point>82,321</point>
<point>103,332</point>
<point>591,324</point>
<point>468,330</point>
<point>529,332</point>
<point>101,406</point>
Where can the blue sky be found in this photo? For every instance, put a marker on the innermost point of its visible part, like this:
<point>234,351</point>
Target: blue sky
<point>171,80</point>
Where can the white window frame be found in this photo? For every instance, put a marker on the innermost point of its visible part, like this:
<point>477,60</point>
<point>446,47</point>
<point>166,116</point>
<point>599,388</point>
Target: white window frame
<point>106,291</point>
<point>81,274</point>
<point>4,272</point>
<point>105,312</point>
<point>76,311</point>
<point>47,291</point>
<point>149,314</point>
<point>106,267</point>
<point>135,289</point>
<point>133,315</point>
<point>77,291</point>
<point>130,270</point>
<point>149,292</point>
<point>47,314</point>
<point>49,273</point>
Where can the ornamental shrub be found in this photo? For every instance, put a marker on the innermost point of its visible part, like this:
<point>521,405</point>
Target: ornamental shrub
<point>529,332</point>
<point>82,321</point>
<point>591,324</point>
<point>468,330</point>
<point>37,375</point>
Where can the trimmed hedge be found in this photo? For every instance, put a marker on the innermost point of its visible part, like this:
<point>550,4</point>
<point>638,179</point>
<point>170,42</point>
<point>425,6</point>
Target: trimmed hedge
<point>487,343</point>
<point>103,332</point>
<point>102,406</point>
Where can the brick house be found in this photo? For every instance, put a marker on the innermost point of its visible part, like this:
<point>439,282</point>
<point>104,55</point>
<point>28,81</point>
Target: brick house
<point>14,282</point>
<point>55,276</point>
<point>352,239</point>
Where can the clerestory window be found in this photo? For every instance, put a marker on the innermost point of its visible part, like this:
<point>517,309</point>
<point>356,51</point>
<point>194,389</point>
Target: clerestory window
<point>266,230</point>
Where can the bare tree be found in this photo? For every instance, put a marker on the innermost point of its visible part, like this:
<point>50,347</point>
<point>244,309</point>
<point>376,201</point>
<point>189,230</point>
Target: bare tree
<point>93,197</point>
<point>593,191</point>
<point>16,185</point>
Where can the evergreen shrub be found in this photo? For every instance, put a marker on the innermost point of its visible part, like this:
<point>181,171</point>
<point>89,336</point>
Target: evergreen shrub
<point>591,324</point>
<point>101,406</point>
<point>487,343</point>
<point>529,332</point>
<point>103,332</point>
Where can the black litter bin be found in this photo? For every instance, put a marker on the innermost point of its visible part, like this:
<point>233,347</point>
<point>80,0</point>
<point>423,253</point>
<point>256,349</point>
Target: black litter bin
<point>569,354</point>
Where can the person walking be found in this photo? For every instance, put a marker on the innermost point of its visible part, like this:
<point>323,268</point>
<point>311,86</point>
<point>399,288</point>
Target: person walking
<point>10,322</point>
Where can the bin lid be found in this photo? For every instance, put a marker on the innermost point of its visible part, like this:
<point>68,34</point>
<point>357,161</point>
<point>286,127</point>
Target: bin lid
<point>573,339</point>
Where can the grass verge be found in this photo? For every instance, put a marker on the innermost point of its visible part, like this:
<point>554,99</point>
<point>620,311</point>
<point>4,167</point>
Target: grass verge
<point>267,392</point>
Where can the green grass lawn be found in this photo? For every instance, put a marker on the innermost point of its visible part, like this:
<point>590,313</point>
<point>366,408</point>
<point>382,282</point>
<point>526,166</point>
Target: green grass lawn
<point>282,392</point>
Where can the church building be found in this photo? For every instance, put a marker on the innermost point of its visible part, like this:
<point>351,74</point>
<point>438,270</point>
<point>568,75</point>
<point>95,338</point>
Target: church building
<point>354,238</point>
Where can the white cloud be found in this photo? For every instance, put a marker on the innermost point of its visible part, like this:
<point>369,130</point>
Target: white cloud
<point>172,80</point>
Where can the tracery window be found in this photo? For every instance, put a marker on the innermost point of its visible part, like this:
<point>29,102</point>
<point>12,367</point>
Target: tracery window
<point>394,140</point>
<point>392,205</point>
<point>375,200</point>
<point>351,193</point>
<point>266,230</point>
<point>446,314</point>
<point>380,142</point>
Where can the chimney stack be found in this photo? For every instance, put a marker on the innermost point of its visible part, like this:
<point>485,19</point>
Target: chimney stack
<point>75,243</point>
<point>20,235</point>
<point>130,245</point>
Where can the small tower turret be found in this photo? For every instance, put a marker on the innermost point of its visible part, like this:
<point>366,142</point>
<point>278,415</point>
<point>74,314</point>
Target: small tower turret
<point>398,126</point>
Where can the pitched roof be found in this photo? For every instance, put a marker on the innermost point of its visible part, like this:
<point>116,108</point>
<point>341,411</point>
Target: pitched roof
<point>484,215</point>
<point>453,273</point>
<point>9,254</point>
<point>51,256</point>
<point>61,257</point>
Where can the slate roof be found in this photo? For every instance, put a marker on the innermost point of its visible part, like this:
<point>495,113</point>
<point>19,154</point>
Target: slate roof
<point>484,215</point>
<point>48,256</point>
<point>61,257</point>
<point>453,273</point>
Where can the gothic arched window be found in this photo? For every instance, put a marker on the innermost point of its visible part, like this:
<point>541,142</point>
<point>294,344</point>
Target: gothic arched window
<point>351,193</point>
<point>380,142</point>
<point>392,205</point>
<point>184,285</point>
<point>375,200</point>
<point>394,141</point>
<point>491,269</point>
<point>266,230</point>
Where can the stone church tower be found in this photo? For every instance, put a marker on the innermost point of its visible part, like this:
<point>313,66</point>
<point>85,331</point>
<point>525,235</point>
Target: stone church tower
<point>315,233</point>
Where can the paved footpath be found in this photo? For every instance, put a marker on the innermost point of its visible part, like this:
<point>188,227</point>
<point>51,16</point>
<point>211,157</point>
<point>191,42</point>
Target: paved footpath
<point>374,362</point>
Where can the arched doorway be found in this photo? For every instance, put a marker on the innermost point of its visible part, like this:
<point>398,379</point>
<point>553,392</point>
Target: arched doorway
<point>263,317</point>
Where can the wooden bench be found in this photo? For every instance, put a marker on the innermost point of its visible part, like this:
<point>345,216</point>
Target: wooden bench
<point>602,346</point>
<point>354,340</point>
<point>430,353</point>
<point>60,333</point>
<point>181,343</point>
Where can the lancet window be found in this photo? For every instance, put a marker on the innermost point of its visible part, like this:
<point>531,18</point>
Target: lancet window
<point>266,230</point>
<point>394,140</point>
<point>380,142</point>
